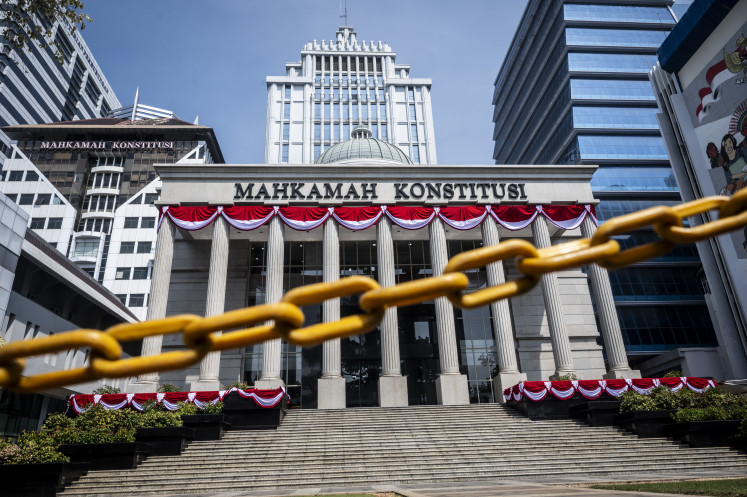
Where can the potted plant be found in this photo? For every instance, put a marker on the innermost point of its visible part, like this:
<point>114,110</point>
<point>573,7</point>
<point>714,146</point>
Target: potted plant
<point>163,430</point>
<point>713,420</point>
<point>33,467</point>
<point>646,416</point>
<point>209,423</point>
<point>105,438</point>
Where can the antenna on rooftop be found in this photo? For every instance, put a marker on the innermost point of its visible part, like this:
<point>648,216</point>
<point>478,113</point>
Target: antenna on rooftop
<point>345,14</point>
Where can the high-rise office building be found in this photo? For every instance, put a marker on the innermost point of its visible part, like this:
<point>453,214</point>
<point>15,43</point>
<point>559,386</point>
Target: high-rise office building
<point>35,88</point>
<point>341,84</point>
<point>574,89</point>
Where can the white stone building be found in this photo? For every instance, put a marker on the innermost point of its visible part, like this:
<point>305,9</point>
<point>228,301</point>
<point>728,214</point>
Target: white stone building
<point>340,84</point>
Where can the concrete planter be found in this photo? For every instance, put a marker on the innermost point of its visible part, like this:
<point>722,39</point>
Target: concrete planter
<point>118,455</point>
<point>246,415</point>
<point>39,480</point>
<point>645,424</point>
<point>166,441</point>
<point>207,426</point>
<point>596,412</point>
<point>549,407</point>
<point>704,433</point>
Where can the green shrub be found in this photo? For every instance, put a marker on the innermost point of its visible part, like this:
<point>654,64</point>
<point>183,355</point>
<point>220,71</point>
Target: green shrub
<point>106,389</point>
<point>633,401</point>
<point>168,387</point>
<point>33,448</point>
<point>185,409</point>
<point>674,373</point>
<point>215,408</point>
<point>8,450</point>
<point>159,419</point>
<point>96,425</point>
<point>242,385</point>
<point>564,377</point>
<point>712,413</point>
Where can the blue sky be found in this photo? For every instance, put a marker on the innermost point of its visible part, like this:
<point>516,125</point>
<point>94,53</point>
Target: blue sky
<point>210,58</point>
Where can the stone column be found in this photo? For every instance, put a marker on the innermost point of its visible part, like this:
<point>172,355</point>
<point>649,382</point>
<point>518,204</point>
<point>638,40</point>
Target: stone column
<point>605,303</point>
<point>159,297</point>
<point>272,349</point>
<point>561,345</point>
<point>392,385</point>
<point>331,386</point>
<point>216,301</point>
<point>508,370</point>
<point>451,386</point>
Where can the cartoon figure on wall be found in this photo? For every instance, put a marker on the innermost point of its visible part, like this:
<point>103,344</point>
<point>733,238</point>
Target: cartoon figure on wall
<point>732,157</point>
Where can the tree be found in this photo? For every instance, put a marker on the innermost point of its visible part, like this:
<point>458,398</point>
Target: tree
<point>27,22</point>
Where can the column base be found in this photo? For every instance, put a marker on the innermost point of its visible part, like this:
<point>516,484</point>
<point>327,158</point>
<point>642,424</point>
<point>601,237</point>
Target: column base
<point>627,374</point>
<point>143,387</point>
<point>269,384</point>
<point>452,389</point>
<point>204,385</point>
<point>393,391</point>
<point>331,393</point>
<point>502,381</point>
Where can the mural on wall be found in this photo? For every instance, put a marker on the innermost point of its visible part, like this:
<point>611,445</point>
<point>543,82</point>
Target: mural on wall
<point>717,100</point>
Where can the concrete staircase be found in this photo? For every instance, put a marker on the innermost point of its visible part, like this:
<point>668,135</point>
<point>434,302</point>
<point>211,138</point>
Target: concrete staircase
<point>380,446</point>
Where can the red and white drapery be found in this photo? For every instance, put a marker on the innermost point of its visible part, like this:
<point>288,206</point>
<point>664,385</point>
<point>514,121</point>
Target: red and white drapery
<point>246,218</point>
<point>593,389</point>
<point>170,400</point>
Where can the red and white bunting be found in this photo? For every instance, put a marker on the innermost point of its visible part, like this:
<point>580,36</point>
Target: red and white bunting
<point>302,218</point>
<point>716,75</point>
<point>536,391</point>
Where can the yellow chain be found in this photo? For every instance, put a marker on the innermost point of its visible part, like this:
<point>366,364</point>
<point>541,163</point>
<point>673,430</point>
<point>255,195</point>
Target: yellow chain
<point>242,327</point>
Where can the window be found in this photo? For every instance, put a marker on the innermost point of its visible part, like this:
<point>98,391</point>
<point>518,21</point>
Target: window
<point>317,110</point>
<point>137,300</point>
<point>149,198</point>
<point>287,92</point>
<point>55,223</point>
<point>127,248</point>
<point>148,222</point>
<point>86,247</point>
<point>617,13</point>
<point>32,176</point>
<point>12,196</point>
<point>383,132</point>
<point>15,176</point>
<point>414,132</point>
<point>37,223</point>
<point>382,112</point>
<point>144,247</point>
<point>622,147</point>
<point>123,273</point>
<point>122,298</point>
<point>317,131</point>
<point>410,94</point>
<point>137,200</point>
<point>614,37</point>
<point>355,112</point>
<point>130,222</point>
<point>336,111</point>
<point>318,93</point>
<point>317,151</point>
<point>286,110</point>
<point>611,63</point>
<point>140,273</point>
<point>610,89</point>
<point>412,112</point>
<point>56,200</point>
<point>615,117</point>
<point>286,131</point>
<point>285,152</point>
<point>26,199</point>
<point>642,178</point>
<point>416,154</point>
<point>364,112</point>
<point>43,199</point>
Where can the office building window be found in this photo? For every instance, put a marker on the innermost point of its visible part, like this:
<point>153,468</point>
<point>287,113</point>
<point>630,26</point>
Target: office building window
<point>617,13</point>
<point>285,152</point>
<point>56,200</point>
<point>615,117</point>
<point>317,110</point>
<point>150,198</point>
<point>612,63</point>
<point>122,298</point>
<point>26,199</point>
<point>412,112</point>
<point>140,273</point>
<point>287,92</point>
<point>37,223</point>
<point>12,196</point>
<point>414,132</point>
<point>15,176</point>
<point>614,37</point>
<point>32,176</point>
<point>137,300</point>
<point>127,248</point>
<point>610,89</point>
<point>286,110</point>
<point>123,273</point>
<point>43,199</point>
<point>410,93</point>
<point>317,151</point>
<point>384,135</point>
<point>55,223</point>
<point>131,222</point>
<point>317,131</point>
<point>416,154</point>
<point>286,131</point>
<point>622,147</point>
<point>148,222</point>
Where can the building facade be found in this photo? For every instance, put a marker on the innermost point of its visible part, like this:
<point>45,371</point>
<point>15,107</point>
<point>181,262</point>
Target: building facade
<point>35,89</point>
<point>340,84</point>
<point>43,293</point>
<point>701,88</point>
<point>593,104</point>
<point>89,187</point>
<point>250,233</point>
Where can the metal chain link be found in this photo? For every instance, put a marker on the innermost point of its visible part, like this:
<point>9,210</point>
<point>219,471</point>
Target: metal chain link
<point>285,319</point>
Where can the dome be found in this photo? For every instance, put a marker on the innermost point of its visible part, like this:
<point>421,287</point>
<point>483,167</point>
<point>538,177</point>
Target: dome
<point>362,146</point>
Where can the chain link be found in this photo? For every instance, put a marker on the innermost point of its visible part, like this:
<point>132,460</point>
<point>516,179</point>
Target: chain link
<point>254,325</point>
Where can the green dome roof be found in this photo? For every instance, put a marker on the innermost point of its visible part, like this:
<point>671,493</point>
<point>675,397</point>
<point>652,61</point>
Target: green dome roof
<point>362,146</point>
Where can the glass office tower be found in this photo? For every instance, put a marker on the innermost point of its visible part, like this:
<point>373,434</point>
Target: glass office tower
<point>574,89</point>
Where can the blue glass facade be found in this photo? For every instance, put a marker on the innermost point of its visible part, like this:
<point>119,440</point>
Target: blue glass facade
<point>600,105</point>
